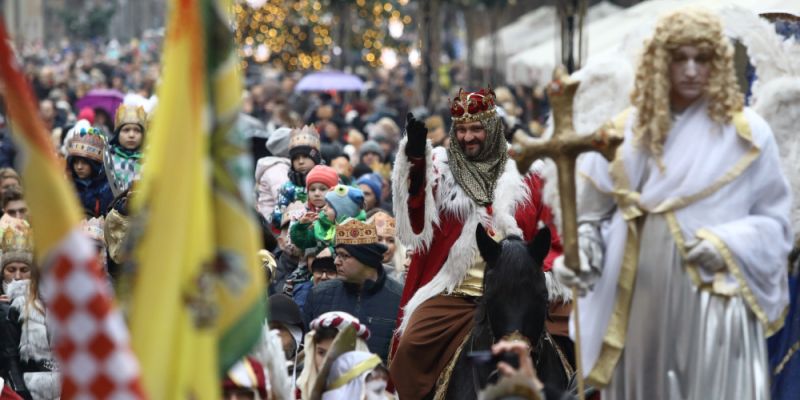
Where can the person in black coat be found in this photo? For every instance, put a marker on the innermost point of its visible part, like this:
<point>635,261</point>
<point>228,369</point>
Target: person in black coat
<point>362,288</point>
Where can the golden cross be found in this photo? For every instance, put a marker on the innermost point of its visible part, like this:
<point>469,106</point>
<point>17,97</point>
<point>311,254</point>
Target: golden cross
<point>564,148</point>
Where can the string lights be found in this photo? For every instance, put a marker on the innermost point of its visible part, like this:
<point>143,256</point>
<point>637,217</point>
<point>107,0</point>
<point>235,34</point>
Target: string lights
<point>297,34</point>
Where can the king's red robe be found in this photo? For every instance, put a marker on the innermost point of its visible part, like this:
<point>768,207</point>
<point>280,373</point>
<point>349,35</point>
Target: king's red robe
<point>438,221</point>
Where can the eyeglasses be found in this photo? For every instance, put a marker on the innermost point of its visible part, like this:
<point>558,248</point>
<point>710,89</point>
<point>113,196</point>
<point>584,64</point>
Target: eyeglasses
<point>343,256</point>
<point>323,274</point>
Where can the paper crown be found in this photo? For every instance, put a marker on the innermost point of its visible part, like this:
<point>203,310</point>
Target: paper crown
<point>88,143</point>
<point>306,136</point>
<point>352,231</point>
<point>130,115</point>
<point>385,224</point>
<point>474,106</point>
<point>16,241</point>
<point>93,228</point>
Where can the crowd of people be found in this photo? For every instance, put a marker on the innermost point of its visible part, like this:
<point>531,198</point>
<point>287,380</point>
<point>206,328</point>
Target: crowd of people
<point>322,165</point>
<point>369,209</point>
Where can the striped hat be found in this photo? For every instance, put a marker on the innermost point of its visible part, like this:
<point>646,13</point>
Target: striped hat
<point>340,320</point>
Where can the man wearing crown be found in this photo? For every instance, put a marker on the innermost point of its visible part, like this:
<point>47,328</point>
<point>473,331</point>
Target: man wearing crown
<point>362,289</point>
<point>440,197</point>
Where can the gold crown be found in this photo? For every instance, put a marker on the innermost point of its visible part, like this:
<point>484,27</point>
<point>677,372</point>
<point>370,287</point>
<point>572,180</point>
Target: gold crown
<point>93,228</point>
<point>307,136</point>
<point>352,231</point>
<point>130,115</point>
<point>474,106</point>
<point>16,241</point>
<point>87,143</point>
<point>384,223</point>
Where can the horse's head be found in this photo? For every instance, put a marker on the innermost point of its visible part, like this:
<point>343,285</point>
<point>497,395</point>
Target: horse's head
<point>515,292</point>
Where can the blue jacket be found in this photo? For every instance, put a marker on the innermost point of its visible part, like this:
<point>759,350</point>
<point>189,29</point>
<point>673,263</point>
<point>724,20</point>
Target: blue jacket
<point>95,192</point>
<point>375,304</point>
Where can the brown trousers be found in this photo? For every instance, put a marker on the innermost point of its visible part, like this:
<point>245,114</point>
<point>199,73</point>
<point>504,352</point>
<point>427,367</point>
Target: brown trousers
<point>436,330</point>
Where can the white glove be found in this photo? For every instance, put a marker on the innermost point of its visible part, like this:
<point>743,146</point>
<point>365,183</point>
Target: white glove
<point>705,255</point>
<point>583,280</point>
<point>591,245</point>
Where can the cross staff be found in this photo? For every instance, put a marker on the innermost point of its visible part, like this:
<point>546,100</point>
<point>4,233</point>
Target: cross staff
<point>564,148</point>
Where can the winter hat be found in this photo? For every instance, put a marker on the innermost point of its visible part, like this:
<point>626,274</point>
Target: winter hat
<point>322,174</point>
<point>371,146</point>
<point>305,141</point>
<point>340,320</point>
<point>346,201</point>
<point>284,310</point>
<point>361,241</point>
<point>87,113</point>
<point>249,374</point>
<point>278,142</point>
<point>374,181</point>
<point>323,264</point>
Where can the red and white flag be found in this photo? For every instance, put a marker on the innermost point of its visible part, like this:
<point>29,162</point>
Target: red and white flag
<point>91,340</point>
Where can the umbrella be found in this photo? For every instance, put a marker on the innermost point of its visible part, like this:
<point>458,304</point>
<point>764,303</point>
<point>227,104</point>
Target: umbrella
<point>105,99</point>
<point>329,80</point>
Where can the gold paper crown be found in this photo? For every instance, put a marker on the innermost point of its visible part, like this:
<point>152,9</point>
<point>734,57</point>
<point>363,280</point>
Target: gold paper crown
<point>352,231</point>
<point>384,224</point>
<point>307,136</point>
<point>130,115</point>
<point>93,228</point>
<point>87,143</point>
<point>16,241</point>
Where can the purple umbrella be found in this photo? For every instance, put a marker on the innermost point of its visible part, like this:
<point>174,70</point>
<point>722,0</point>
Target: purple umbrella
<point>105,99</point>
<point>329,80</point>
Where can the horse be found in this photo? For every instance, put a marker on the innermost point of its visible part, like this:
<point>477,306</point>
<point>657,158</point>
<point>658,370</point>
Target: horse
<point>514,306</point>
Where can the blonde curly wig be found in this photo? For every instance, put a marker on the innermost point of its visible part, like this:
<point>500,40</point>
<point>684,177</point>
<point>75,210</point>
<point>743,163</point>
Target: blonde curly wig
<point>651,94</point>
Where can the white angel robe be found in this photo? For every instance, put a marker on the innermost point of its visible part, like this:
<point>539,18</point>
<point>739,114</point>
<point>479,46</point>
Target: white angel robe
<point>655,326</point>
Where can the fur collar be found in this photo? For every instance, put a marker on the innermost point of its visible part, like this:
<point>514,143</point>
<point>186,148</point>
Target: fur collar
<point>510,192</point>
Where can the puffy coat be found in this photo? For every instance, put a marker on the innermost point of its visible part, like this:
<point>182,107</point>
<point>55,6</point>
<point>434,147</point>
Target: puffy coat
<point>271,174</point>
<point>375,304</point>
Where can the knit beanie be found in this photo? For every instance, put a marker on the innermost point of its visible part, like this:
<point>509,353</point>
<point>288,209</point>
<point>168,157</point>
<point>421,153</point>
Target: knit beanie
<point>284,310</point>
<point>346,201</point>
<point>370,255</point>
<point>374,181</point>
<point>371,146</point>
<point>322,174</point>
<point>278,142</point>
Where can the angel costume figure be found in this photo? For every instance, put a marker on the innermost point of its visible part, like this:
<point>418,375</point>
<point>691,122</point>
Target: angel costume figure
<point>685,235</point>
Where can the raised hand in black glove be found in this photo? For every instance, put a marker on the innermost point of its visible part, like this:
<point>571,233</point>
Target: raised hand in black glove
<point>417,134</point>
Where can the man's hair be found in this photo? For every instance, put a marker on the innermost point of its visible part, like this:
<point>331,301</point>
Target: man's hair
<point>11,194</point>
<point>6,173</point>
<point>651,94</point>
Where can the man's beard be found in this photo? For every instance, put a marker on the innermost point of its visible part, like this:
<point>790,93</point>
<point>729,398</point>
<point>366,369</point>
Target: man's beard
<point>476,152</point>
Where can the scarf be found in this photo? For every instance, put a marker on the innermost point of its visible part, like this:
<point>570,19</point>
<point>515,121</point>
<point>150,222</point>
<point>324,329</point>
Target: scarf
<point>478,176</point>
<point>123,167</point>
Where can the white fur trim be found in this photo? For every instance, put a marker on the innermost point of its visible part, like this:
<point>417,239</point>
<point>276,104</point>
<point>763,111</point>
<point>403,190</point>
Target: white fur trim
<point>400,184</point>
<point>509,193</point>
<point>34,341</point>
<point>43,385</point>
<point>557,291</point>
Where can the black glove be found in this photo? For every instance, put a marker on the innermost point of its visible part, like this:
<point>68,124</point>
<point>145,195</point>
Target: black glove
<point>417,135</point>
